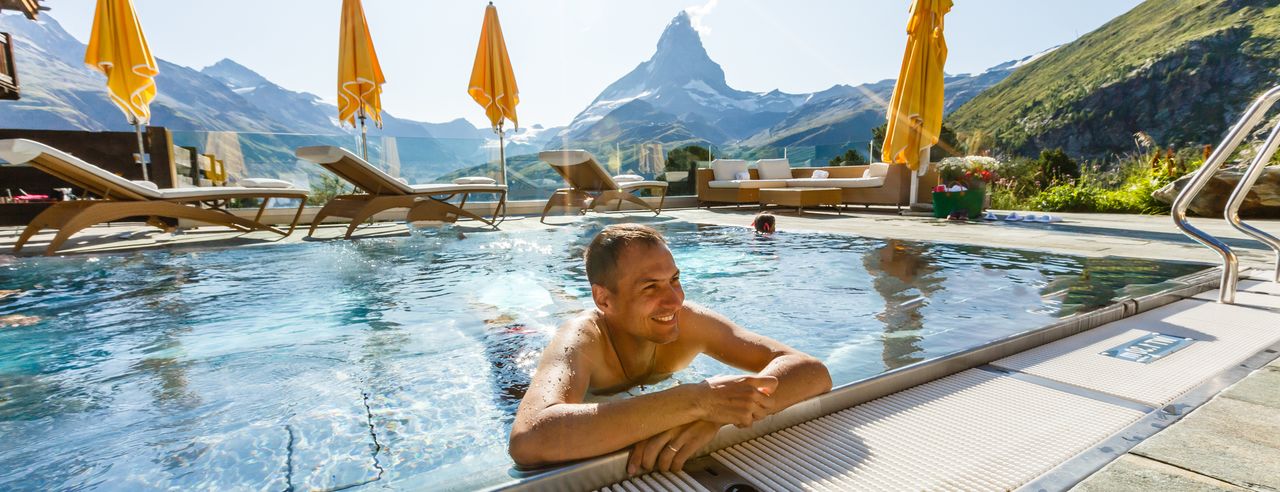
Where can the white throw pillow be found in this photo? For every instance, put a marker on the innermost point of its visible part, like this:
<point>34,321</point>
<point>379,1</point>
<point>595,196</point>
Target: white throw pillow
<point>627,178</point>
<point>146,184</point>
<point>264,183</point>
<point>820,174</point>
<point>474,180</point>
<point>774,168</point>
<point>726,169</point>
<point>742,176</point>
<point>877,170</point>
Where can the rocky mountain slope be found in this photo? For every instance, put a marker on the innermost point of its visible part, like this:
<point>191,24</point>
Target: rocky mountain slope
<point>1179,70</point>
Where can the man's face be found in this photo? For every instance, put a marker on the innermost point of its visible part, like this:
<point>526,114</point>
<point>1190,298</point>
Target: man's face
<point>647,299</point>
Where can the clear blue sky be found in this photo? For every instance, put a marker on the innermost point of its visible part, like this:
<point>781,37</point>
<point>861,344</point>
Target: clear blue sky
<point>566,51</point>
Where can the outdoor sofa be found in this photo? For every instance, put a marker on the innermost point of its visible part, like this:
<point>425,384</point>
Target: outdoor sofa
<point>121,198</point>
<point>870,184</point>
<point>381,191</point>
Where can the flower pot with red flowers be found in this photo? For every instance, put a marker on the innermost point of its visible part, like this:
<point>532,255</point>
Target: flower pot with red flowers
<point>965,180</point>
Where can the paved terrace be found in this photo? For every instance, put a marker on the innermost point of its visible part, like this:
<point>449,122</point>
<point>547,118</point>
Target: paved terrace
<point>1232,442</point>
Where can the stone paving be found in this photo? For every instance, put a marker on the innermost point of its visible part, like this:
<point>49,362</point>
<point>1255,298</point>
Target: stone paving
<point>1230,443</point>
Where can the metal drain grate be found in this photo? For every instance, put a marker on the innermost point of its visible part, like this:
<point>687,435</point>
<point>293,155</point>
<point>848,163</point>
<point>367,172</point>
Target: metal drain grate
<point>975,430</point>
<point>657,481</point>
<point>1219,345</point>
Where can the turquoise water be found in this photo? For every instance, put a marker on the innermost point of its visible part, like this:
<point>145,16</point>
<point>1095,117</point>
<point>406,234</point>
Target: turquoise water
<point>399,362</point>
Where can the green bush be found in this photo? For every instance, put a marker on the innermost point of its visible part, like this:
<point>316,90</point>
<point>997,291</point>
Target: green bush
<point>325,188</point>
<point>1067,198</point>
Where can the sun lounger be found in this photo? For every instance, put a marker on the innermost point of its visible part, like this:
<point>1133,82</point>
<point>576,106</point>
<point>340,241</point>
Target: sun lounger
<point>122,198</point>
<point>590,185</point>
<point>383,192</point>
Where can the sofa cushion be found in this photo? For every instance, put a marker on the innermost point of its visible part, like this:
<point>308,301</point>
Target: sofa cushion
<point>726,169</point>
<point>774,168</point>
<point>835,183</point>
<point>877,170</point>
<point>748,183</point>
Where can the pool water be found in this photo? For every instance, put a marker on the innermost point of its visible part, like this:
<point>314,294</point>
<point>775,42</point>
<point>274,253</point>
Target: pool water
<point>399,362</point>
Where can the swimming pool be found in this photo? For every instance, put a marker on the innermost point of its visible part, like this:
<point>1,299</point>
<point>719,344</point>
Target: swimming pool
<point>400,361</point>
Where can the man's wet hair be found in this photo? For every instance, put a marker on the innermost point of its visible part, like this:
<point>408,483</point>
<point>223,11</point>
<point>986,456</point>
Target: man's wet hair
<point>602,255</point>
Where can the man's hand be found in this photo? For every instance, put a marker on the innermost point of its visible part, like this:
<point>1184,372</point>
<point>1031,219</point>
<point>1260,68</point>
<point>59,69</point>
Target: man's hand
<point>669,450</point>
<point>736,400</point>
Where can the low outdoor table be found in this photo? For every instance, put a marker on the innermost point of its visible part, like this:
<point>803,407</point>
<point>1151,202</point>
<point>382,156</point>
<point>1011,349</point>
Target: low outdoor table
<point>800,197</point>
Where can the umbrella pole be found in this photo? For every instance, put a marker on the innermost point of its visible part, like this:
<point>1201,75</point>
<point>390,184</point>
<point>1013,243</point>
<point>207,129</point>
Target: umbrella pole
<point>502,155</point>
<point>142,151</point>
<point>364,136</point>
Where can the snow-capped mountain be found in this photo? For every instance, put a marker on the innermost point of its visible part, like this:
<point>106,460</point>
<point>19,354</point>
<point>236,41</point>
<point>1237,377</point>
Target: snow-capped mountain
<point>681,80</point>
<point>680,96</point>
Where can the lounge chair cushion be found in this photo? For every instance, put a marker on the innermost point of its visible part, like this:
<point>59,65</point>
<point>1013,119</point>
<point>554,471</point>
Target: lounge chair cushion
<point>627,178</point>
<point>835,182</point>
<point>642,184</point>
<point>214,191</point>
<point>264,183</point>
<point>743,184</point>
<point>876,170</point>
<point>726,169</point>
<point>774,168</point>
<point>146,184</point>
<point>469,180</point>
<point>447,188</point>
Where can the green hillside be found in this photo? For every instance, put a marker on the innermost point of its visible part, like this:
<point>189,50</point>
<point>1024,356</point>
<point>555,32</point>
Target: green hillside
<point>1179,70</point>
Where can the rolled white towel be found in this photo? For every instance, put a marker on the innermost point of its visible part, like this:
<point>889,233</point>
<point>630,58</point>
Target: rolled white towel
<point>820,174</point>
<point>146,184</point>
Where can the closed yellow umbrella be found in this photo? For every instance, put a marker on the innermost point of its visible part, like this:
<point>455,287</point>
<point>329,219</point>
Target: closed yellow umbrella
<point>493,84</point>
<point>915,111</point>
<point>360,76</point>
<point>118,49</point>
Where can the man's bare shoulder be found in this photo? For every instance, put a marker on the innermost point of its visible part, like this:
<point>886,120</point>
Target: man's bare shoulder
<point>697,322</point>
<point>579,335</point>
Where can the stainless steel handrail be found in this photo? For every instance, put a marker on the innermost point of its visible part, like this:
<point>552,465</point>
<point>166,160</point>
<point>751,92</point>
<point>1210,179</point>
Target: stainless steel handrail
<point>1250,177</point>
<point>1230,264</point>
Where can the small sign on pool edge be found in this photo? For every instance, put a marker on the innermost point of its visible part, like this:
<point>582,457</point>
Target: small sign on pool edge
<point>1149,348</point>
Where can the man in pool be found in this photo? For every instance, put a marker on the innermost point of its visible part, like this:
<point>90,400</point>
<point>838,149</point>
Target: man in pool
<point>640,332</point>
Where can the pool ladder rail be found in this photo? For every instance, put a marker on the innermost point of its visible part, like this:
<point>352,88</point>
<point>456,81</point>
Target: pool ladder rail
<point>1251,118</point>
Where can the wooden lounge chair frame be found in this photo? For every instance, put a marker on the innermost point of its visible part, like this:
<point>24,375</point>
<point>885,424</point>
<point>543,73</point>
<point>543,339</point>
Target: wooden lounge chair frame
<point>383,192</point>
<point>590,185</point>
<point>121,198</point>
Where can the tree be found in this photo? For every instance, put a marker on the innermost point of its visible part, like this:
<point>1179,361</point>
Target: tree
<point>686,159</point>
<point>948,143</point>
<point>1055,166</point>
<point>851,157</point>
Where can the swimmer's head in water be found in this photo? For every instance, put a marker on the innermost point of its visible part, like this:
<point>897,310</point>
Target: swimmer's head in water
<point>765,223</point>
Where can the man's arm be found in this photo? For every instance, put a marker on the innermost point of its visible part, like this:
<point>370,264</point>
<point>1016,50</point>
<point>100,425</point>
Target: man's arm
<point>553,425</point>
<point>800,376</point>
